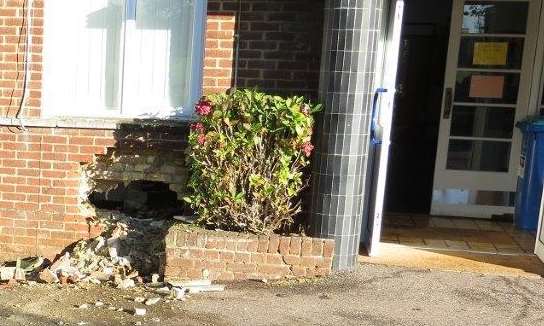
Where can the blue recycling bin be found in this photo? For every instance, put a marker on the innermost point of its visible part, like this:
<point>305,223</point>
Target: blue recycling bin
<point>531,174</point>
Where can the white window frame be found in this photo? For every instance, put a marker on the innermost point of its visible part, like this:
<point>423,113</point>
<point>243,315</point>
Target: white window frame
<point>196,71</point>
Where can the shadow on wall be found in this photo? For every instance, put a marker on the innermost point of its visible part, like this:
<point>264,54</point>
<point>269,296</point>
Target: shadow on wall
<point>272,45</point>
<point>137,187</point>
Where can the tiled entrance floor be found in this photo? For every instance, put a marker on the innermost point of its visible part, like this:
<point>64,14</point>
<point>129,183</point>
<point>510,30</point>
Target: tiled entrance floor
<point>449,233</point>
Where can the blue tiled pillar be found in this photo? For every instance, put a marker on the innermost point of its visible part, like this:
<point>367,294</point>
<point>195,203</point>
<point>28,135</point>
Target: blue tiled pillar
<point>352,31</point>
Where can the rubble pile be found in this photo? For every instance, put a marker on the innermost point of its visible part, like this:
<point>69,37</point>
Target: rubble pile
<point>129,250</point>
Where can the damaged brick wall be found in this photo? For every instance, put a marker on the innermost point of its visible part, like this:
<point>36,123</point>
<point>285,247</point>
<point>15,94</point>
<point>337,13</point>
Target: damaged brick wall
<point>238,256</point>
<point>41,198</point>
<point>152,153</point>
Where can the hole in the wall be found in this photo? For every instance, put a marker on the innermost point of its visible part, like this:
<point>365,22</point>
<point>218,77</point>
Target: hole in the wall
<point>139,199</point>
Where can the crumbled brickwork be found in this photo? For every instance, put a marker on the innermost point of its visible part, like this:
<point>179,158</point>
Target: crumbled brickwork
<point>41,171</point>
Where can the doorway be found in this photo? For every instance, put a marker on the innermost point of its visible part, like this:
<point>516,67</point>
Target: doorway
<point>416,115</point>
<point>442,193</point>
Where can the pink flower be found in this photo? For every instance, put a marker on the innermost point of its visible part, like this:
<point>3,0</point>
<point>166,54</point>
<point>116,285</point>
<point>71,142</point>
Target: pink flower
<point>203,108</point>
<point>307,149</point>
<point>197,127</point>
<point>305,109</point>
<point>201,139</point>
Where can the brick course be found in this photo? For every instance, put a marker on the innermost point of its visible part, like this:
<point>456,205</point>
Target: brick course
<point>239,256</point>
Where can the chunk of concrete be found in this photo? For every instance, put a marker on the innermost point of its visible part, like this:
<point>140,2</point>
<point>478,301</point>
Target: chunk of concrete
<point>182,284</point>
<point>139,299</point>
<point>206,288</point>
<point>178,293</point>
<point>126,284</point>
<point>139,311</point>
<point>48,276</point>
<point>152,301</point>
<point>7,273</point>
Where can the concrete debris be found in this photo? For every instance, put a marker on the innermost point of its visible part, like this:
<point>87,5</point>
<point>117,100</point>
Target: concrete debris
<point>152,301</point>
<point>178,293</point>
<point>20,274</point>
<point>126,283</point>
<point>206,288</point>
<point>139,299</point>
<point>139,311</point>
<point>108,257</point>
<point>84,306</point>
<point>99,304</point>
<point>31,264</point>
<point>7,273</point>
<point>163,291</point>
<point>48,276</point>
<point>197,286</point>
<point>181,284</point>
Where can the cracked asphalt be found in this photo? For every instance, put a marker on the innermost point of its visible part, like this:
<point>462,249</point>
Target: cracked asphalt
<point>374,295</point>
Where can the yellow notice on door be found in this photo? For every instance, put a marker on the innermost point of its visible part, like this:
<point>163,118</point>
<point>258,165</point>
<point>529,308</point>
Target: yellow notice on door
<point>490,53</point>
<point>484,86</point>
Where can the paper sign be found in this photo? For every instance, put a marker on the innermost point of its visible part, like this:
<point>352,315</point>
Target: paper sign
<point>490,53</point>
<point>483,86</point>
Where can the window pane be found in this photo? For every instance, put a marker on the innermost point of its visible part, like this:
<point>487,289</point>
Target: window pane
<point>480,121</point>
<point>495,17</point>
<point>483,87</point>
<point>159,58</point>
<point>487,52</point>
<point>477,155</point>
<point>82,57</point>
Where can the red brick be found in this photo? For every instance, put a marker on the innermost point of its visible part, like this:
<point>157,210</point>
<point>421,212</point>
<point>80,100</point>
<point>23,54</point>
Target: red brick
<point>241,267</point>
<point>317,247</point>
<point>273,244</point>
<point>292,260</point>
<point>274,270</point>
<point>263,244</point>
<point>306,247</point>
<point>284,245</point>
<point>242,257</point>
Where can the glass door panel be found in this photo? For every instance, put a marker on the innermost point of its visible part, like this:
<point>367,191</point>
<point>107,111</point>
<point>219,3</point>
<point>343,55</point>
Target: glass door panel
<point>495,17</point>
<point>487,85</point>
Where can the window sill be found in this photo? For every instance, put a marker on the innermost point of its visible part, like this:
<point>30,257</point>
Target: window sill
<point>90,123</point>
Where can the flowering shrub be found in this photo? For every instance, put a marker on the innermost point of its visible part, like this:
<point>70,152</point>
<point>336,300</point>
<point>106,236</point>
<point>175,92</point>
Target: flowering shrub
<point>247,153</point>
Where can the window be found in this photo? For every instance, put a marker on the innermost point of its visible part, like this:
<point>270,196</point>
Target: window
<point>122,58</point>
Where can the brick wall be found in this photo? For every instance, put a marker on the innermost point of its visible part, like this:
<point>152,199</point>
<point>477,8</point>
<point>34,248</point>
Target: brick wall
<point>40,168</point>
<point>40,171</point>
<point>39,188</point>
<point>280,45</point>
<point>13,29</point>
<point>237,256</point>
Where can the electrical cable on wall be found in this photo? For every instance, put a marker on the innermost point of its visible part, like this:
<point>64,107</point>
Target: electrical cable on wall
<point>237,40</point>
<point>27,59</point>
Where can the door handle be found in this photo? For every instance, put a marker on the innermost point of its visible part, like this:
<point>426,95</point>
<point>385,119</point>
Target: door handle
<point>448,102</point>
<point>375,115</point>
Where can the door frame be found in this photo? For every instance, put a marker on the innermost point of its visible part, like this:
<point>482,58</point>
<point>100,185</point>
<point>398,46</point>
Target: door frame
<point>481,180</point>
